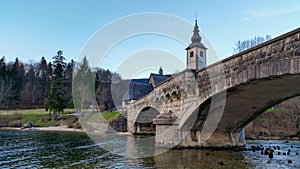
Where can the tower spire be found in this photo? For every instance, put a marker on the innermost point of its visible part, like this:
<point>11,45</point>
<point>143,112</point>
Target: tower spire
<point>196,37</point>
<point>196,18</point>
<point>196,51</point>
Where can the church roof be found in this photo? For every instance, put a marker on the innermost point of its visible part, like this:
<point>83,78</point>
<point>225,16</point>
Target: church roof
<point>157,78</point>
<point>137,88</point>
<point>143,80</point>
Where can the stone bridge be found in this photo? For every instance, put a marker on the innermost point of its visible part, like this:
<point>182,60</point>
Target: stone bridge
<point>210,107</point>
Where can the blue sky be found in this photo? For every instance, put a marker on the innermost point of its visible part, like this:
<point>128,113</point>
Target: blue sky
<point>34,28</point>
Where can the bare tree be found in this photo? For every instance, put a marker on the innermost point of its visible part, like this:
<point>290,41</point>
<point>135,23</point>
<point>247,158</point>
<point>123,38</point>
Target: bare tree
<point>249,43</point>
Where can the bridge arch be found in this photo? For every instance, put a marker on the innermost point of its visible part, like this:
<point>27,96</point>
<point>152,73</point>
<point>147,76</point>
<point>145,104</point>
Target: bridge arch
<point>249,100</point>
<point>244,103</point>
<point>143,122</point>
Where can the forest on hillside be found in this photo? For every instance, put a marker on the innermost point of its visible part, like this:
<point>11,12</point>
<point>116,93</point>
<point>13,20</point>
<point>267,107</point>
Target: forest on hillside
<point>36,85</point>
<point>33,85</point>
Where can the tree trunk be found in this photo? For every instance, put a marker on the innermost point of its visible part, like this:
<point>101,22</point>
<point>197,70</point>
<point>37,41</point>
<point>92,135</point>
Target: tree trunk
<point>53,115</point>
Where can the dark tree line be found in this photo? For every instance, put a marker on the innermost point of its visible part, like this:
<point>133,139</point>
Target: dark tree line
<point>48,84</point>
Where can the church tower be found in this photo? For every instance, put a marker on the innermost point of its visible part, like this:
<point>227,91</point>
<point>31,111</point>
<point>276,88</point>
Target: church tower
<point>196,51</point>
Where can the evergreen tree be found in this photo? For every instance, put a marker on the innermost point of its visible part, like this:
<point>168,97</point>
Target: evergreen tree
<point>17,73</point>
<point>161,72</point>
<point>4,86</point>
<point>2,67</point>
<point>56,102</point>
<point>83,87</point>
<point>43,77</point>
<point>68,87</point>
<point>103,83</point>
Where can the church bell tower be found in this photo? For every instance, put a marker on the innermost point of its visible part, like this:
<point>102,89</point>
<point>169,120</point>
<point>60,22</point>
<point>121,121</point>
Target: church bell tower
<point>196,51</point>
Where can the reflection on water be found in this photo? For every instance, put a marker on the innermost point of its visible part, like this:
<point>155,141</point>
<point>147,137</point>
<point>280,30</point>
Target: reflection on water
<point>45,149</point>
<point>200,159</point>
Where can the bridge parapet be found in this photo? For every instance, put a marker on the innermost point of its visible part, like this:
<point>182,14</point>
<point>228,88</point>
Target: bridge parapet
<point>276,57</point>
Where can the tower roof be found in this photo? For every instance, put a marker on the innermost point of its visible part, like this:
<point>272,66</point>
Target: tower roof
<point>196,38</point>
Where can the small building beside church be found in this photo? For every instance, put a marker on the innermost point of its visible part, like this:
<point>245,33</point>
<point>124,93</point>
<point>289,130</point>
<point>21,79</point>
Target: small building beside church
<point>138,88</point>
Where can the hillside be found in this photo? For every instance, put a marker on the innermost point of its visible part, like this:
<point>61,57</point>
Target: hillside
<point>280,122</point>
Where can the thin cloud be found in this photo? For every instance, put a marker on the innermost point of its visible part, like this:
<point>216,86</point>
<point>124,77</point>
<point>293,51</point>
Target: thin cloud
<point>267,13</point>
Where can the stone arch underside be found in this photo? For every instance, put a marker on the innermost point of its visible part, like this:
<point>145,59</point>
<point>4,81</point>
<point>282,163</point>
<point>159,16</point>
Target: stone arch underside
<point>245,102</point>
<point>144,121</point>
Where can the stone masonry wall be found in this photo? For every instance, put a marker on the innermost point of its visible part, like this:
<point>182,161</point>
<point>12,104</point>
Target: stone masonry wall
<point>183,93</point>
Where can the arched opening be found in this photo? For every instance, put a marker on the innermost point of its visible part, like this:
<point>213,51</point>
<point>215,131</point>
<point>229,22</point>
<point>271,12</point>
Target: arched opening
<point>244,104</point>
<point>168,96</point>
<point>157,100</point>
<point>281,121</point>
<point>174,94</point>
<point>162,98</point>
<point>144,121</point>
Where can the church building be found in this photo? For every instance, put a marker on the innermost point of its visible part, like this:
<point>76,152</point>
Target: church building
<point>195,60</point>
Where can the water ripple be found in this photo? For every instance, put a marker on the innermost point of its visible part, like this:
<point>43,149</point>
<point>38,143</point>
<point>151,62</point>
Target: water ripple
<point>45,149</point>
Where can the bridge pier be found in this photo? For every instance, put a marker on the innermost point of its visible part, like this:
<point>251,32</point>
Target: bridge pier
<point>166,134</point>
<point>169,135</point>
<point>217,139</point>
<point>131,127</point>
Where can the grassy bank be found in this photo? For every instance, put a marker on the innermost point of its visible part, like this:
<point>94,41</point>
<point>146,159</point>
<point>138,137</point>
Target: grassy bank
<point>101,117</point>
<point>17,118</point>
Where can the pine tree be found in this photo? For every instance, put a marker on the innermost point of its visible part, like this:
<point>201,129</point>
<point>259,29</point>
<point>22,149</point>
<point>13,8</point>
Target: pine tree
<point>17,73</point>
<point>4,87</point>
<point>68,86</point>
<point>161,72</point>
<point>56,102</point>
<point>43,77</point>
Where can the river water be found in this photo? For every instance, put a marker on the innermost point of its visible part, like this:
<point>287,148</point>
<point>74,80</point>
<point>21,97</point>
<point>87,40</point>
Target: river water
<point>46,149</point>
